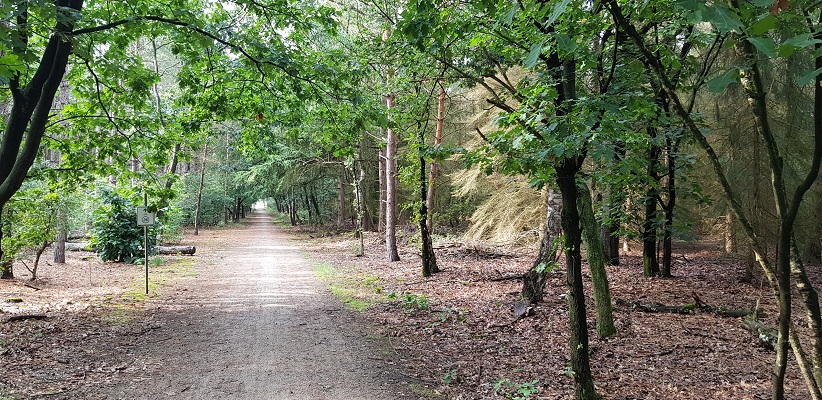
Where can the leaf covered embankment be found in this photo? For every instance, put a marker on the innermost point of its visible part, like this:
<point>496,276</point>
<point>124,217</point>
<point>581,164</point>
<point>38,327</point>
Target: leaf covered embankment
<point>459,331</point>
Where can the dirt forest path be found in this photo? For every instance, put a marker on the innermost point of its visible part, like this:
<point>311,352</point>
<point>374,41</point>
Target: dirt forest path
<point>255,324</point>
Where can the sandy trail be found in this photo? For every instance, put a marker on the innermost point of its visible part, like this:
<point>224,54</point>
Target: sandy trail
<point>255,323</point>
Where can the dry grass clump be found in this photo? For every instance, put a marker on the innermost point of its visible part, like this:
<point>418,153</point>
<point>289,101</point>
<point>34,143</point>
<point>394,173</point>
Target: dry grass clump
<point>511,213</point>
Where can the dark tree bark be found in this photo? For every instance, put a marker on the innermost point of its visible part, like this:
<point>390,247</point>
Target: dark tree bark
<point>669,208</point>
<point>316,206</point>
<point>6,271</point>
<point>429,259</point>
<point>307,202</point>
<point>580,363</point>
<point>292,212</point>
<point>31,104</point>
<point>609,231</point>
<point>650,263</point>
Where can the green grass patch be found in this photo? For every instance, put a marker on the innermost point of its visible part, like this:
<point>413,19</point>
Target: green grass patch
<point>121,314</point>
<point>357,291</point>
<point>347,297</point>
<point>325,271</point>
<point>162,271</point>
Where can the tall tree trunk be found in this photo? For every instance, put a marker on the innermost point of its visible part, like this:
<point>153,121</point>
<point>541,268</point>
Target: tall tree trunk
<point>609,231</point>
<point>225,180</point>
<point>32,101</point>
<point>383,190</point>
<point>596,263</point>
<point>567,172</point>
<point>786,213</point>
<point>292,211</point>
<point>358,198</point>
<point>533,282</point>
<point>432,177</point>
<point>200,192</point>
<point>391,181</point>
<point>316,205</point>
<point>429,259</point>
<point>650,263</point>
<point>669,207</point>
<point>62,234</point>
<point>580,362</point>
<point>307,202</point>
<point>806,289</point>
<point>391,190</point>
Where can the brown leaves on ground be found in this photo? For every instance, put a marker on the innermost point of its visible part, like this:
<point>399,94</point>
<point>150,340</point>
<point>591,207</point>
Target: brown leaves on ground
<point>458,333</point>
<point>93,322</point>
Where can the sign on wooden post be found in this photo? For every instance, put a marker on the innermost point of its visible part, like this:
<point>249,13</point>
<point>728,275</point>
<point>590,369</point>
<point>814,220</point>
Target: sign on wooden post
<point>144,218</point>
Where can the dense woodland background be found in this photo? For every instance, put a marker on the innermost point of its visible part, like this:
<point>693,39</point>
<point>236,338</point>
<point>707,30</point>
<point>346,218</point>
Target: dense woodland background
<point>572,127</point>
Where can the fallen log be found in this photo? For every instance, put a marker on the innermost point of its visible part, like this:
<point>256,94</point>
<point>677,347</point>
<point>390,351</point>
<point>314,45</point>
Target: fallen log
<point>79,246</point>
<point>184,250</point>
<point>22,317</point>
<point>651,307</point>
<point>697,306</point>
<point>167,250</point>
<point>500,278</point>
<point>766,336</point>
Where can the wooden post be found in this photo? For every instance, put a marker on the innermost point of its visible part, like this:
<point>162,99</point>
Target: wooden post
<point>145,241</point>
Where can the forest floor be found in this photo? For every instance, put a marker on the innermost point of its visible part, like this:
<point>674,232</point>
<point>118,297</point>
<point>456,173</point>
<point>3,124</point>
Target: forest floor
<point>247,318</point>
<point>464,340</point>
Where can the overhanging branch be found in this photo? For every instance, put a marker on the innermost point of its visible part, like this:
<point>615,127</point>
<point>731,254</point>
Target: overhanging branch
<point>257,62</point>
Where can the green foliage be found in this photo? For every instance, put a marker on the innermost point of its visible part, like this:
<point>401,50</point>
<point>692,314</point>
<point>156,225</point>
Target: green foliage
<point>172,219</point>
<point>29,219</point>
<point>116,235</point>
<point>413,302</point>
<point>452,376</point>
<point>516,391</point>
